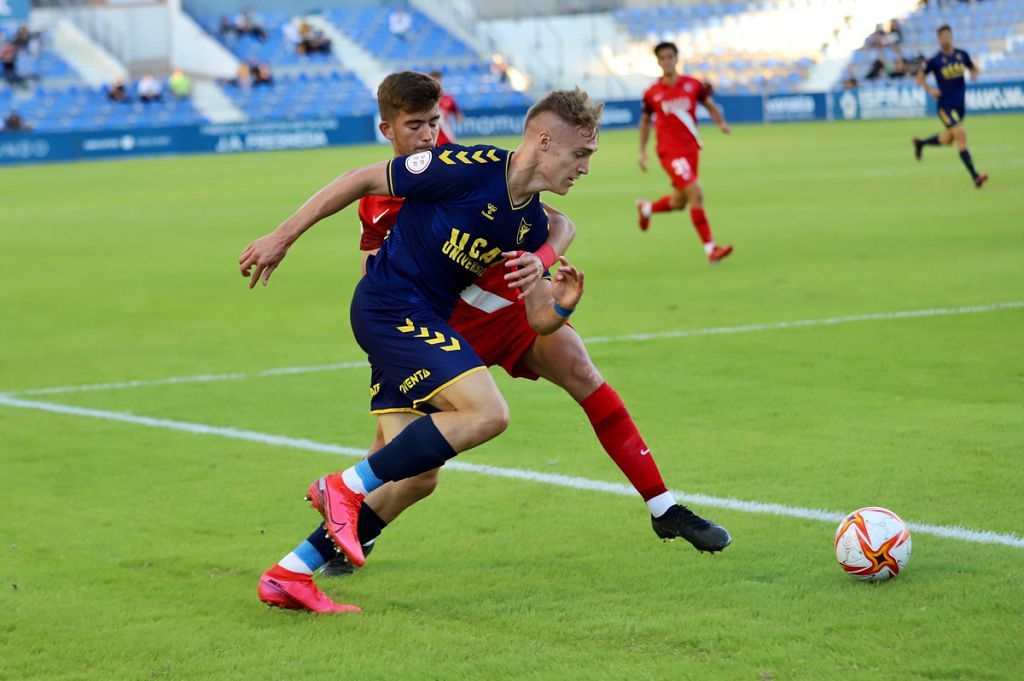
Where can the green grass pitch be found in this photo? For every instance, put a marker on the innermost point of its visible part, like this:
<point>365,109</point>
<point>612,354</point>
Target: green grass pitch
<point>131,549</point>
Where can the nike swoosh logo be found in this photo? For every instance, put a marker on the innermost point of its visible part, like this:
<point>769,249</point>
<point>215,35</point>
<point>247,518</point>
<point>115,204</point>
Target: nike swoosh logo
<point>377,219</point>
<point>644,452</point>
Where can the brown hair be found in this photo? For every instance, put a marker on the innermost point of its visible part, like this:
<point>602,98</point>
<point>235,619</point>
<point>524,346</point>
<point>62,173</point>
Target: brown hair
<point>666,46</point>
<point>406,92</point>
<point>572,106</point>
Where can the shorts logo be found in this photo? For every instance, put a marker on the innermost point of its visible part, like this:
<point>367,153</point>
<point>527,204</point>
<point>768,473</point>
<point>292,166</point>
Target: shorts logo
<point>374,389</point>
<point>417,163</point>
<point>410,381</point>
<point>524,228</point>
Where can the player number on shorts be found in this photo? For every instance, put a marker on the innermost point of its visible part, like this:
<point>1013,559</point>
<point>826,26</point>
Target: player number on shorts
<point>682,168</point>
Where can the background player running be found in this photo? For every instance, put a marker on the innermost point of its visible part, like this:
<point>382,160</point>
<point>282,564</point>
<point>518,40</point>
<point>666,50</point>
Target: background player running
<point>446,236</point>
<point>949,65</point>
<point>496,322</point>
<point>450,113</point>
<point>672,104</point>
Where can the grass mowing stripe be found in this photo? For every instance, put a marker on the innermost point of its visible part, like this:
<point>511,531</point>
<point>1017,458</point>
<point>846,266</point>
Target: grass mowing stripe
<point>685,333</point>
<point>959,533</point>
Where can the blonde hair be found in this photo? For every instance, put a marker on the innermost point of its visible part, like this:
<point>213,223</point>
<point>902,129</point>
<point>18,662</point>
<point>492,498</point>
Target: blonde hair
<point>572,106</point>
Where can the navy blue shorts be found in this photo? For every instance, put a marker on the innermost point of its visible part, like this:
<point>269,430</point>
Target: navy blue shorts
<point>413,353</point>
<point>951,113</point>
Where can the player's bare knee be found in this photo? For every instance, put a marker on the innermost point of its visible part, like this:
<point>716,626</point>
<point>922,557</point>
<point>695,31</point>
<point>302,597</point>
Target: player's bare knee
<point>677,202</point>
<point>695,196</point>
<point>583,379</point>
<point>495,419</point>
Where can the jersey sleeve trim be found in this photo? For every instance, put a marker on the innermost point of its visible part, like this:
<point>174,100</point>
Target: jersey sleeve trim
<point>391,181</point>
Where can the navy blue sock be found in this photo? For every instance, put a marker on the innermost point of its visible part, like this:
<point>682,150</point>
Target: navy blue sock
<point>370,525</point>
<point>965,156</point>
<point>313,552</point>
<point>931,141</point>
<point>322,544</point>
<point>417,449</point>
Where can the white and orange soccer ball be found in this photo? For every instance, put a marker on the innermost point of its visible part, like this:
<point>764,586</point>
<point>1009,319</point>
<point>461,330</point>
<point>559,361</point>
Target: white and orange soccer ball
<point>873,544</point>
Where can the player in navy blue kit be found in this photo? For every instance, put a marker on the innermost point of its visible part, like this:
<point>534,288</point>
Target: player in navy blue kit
<point>466,208</point>
<point>949,65</point>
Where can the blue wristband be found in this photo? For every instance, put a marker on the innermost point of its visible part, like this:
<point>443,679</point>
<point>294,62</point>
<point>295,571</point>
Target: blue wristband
<point>561,311</point>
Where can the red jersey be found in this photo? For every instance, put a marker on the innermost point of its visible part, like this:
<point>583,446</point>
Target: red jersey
<point>377,215</point>
<point>674,108</point>
<point>447,108</point>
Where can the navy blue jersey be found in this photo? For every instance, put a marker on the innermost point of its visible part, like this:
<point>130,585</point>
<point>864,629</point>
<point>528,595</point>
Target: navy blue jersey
<point>457,219</point>
<point>949,72</point>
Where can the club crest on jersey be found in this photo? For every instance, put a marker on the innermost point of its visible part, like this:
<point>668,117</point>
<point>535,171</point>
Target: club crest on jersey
<point>524,228</point>
<point>417,163</point>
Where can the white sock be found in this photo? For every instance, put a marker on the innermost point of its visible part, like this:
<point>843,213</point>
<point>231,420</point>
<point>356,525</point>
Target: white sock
<point>295,564</point>
<point>661,503</point>
<point>353,481</point>
<point>708,247</point>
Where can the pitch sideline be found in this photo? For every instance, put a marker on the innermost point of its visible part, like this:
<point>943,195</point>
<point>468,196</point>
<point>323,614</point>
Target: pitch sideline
<point>959,533</point>
<point>633,337</point>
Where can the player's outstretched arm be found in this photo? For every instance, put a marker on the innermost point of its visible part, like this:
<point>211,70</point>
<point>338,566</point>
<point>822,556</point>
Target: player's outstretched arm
<point>260,258</point>
<point>645,134</point>
<point>716,115</point>
<point>923,82</point>
<point>549,304</point>
<point>526,269</point>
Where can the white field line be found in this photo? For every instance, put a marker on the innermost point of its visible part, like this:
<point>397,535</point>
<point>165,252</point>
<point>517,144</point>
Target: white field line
<point>700,500</point>
<point>634,337</point>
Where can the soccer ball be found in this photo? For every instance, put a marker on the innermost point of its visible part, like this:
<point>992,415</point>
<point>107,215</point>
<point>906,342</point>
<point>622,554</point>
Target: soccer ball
<point>873,544</point>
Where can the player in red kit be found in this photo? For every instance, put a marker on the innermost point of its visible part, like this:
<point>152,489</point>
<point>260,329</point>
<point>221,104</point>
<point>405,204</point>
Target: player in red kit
<point>450,113</point>
<point>672,104</point>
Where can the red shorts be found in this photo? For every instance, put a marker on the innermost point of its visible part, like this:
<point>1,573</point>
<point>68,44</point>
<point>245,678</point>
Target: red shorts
<point>681,165</point>
<point>500,338</point>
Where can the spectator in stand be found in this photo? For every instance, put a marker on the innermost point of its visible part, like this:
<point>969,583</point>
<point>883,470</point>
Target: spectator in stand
<point>246,24</point>
<point>876,70</point>
<point>149,89</point>
<point>850,80</point>
<point>260,73</point>
<point>895,34</point>
<point>180,84</point>
<point>117,92</point>
<point>226,27</point>
<point>877,39</point>
<point>23,37</point>
<point>9,61</point>
<point>243,77</point>
<point>400,23</point>
<point>499,67</point>
<point>899,69</point>
<point>312,40</point>
<point>15,123</point>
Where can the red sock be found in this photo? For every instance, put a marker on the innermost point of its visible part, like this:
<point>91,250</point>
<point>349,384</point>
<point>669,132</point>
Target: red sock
<point>620,438</point>
<point>700,223</point>
<point>662,205</point>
